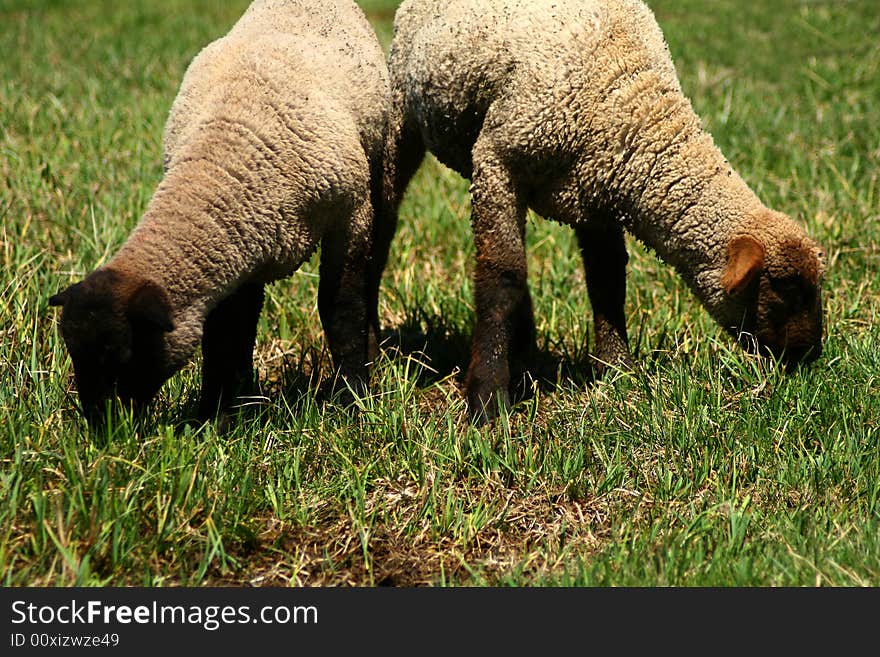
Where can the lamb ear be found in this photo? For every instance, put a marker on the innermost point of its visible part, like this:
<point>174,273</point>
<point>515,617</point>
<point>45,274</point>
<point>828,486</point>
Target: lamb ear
<point>61,298</point>
<point>150,303</point>
<point>745,260</point>
<point>58,299</point>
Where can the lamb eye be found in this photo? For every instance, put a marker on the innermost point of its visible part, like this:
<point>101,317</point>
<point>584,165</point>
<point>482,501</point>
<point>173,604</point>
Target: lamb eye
<point>790,291</point>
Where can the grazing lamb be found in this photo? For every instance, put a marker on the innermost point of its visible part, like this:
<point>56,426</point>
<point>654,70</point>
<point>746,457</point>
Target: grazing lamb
<point>272,146</point>
<point>573,108</point>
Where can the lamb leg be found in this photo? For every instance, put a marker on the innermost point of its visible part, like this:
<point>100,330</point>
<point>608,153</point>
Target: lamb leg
<point>500,288</point>
<point>228,339</point>
<point>605,258</point>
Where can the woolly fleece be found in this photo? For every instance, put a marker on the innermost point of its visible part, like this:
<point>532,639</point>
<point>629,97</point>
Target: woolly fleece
<point>574,108</point>
<point>273,142</point>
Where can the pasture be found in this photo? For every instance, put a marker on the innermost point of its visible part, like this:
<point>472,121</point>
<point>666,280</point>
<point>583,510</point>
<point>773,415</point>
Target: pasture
<point>705,467</point>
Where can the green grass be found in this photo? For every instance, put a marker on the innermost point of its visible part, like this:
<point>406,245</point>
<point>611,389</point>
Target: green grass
<point>706,467</point>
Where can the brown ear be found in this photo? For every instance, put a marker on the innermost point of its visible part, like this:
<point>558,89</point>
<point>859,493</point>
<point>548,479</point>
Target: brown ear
<point>58,299</point>
<point>745,260</point>
<point>150,303</point>
<point>61,298</point>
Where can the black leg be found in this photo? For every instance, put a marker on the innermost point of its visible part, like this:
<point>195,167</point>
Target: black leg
<point>404,152</point>
<point>503,307</point>
<point>342,299</point>
<point>523,348</point>
<point>604,252</point>
<point>228,339</point>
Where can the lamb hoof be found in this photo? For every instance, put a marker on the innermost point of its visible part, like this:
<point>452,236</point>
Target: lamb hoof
<point>225,418</point>
<point>226,421</point>
<point>486,405</point>
<point>603,364</point>
<point>523,387</point>
<point>343,392</point>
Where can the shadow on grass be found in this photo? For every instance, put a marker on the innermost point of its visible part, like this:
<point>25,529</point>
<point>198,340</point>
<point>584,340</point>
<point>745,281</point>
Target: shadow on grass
<point>303,381</point>
<point>445,348</point>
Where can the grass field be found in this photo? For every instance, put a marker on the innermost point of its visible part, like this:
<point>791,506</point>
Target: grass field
<point>705,467</point>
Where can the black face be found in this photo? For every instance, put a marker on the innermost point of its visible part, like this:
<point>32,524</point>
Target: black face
<point>792,319</point>
<point>786,322</point>
<point>115,352</point>
<point>100,346</point>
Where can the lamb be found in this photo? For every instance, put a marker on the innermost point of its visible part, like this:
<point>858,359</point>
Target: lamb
<point>573,108</point>
<point>272,146</point>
